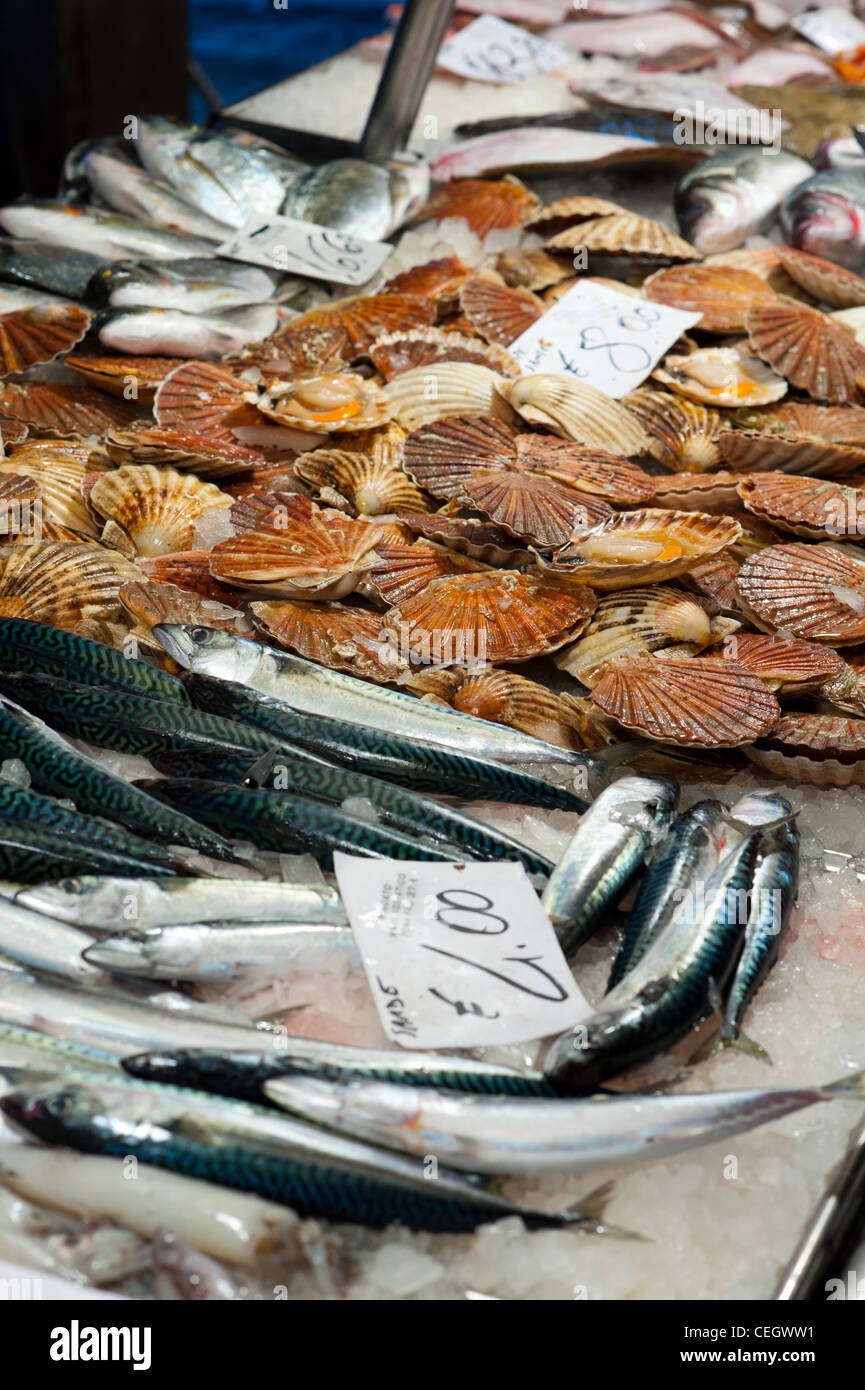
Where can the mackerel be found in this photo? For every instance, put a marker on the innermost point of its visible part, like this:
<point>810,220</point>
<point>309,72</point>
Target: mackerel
<point>36,648</point>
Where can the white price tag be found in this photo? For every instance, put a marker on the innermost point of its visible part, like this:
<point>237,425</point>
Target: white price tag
<point>833,29</point>
<point>457,955</point>
<point>609,340</point>
<point>303,248</point>
<point>490,50</point>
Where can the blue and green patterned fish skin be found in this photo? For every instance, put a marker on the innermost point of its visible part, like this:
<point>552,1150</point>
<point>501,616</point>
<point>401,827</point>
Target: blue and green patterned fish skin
<point>251,1149</point>
<point>392,757</point>
<point>32,853</point>
<point>294,824</point>
<point>22,804</point>
<point>690,850</point>
<point>34,648</point>
<point>55,766</point>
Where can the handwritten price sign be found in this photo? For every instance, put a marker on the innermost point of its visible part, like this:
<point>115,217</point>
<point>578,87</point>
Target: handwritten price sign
<point>490,50</point>
<point>303,248</point>
<point>457,955</point>
<point>609,340</point>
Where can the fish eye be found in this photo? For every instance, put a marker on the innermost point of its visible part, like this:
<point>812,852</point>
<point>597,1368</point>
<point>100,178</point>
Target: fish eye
<point>200,634</point>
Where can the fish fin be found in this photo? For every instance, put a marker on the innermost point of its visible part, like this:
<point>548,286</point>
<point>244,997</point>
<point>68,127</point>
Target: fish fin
<point>852,1085</point>
<point>256,775</point>
<point>719,1042</point>
<point>745,828</point>
<point>589,1212</point>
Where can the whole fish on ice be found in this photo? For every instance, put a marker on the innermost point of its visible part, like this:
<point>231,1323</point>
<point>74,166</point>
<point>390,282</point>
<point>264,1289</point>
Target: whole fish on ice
<point>735,194</point>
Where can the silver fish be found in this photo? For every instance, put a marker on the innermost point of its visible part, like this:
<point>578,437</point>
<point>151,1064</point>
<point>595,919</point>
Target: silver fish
<point>127,188</point>
<point>93,229</point>
<point>358,196</point>
<point>42,943</point>
<point>25,1047</point>
<point>41,267</point>
<point>825,215</point>
<point>530,1136</point>
<point>145,332</point>
<point>213,952</point>
<point>735,194</point>
<point>610,846</point>
<point>195,285</point>
<point>230,184</point>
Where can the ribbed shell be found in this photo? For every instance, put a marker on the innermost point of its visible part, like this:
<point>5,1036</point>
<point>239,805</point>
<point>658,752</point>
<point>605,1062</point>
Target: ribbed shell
<point>565,212</point>
<point>635,622</point>
<point>64,410</point>
<point>574,410</point>
<point>833,424</point>
<point>721,294</point>
<point>684,435</point>
<point>396,353</point>
<point>204,397</point>
<point>814,507</point>
<point>152,602</point>
<point>506,698</point>
<point>277,477</point>
<point>478,539</point>
<point>532,268</point>
<point>327,404</point>
<point>721,376</point>
<point>495,310</point>
<point>60,467</point>
<point>186,569</point>
<point>691,701</point>
<point>534,508</point>
<point>116,374</point>
<point>809,349</point>
<point>589,470</point>
<point>440,456</point>
<point>405,570</point>
<point>715,582</point>
<point>445,389</point>
<point>18,512</point>
<point>824,280</point>
<point>497,616</point>
<point>62,583</point>
<point>370,487</point>
<point>625,234</point>
<point>819,749</point>
<point>11,432</point>
<point>188,449</point>
<point>486,204</point>
<point>324,338</point>
<point>762,261</point>
<point>749,451</point>
<point>812,591</point>
<point>782,662</point>
<point>155,508</point>
<point>641,547</point>
<point>698,492</point>
<point>334,635</point>
<point>438,280</point>
<point>39,334</point>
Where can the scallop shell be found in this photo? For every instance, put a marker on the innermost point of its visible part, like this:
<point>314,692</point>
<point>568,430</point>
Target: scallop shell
<point>153,602</point>
<point>298,551</point>
<point>819,749</point>
<point>846,689</point>
<point>625,234</point>
<point>762,261</point>
<point>684,435</point>
<point>830,424</point>
<point>527,268</point>
<point>811,591</point>
<point>405,570</point>
<point>691,701</point>
<point>500,615</point>
<point>19,512</point>
<point>698,492</point>
<point>809,349</point>
<point>497,312</point>
<point>117,374</point>
<point>328,337</point>
<point>486,204</point>
<point>437,280</point>
<point>815,507</point>
<point>272,477</point>
<point>635,622</point>
<point>643,546</point>
<point>749,451</point>
<point>442,389</point>
<point>576,411</point>
<point>506,698</point>
<point>154,509</point>
<point>478,539</point>
<point>721,294</point>
<point>714,582</point>
<point>334,635</point>
<point>534,508</point>
<point>11,432</point>
<point>369,486</point>
<point>199,453</point>
<point>327,404</point>
<point>721,376</point>
<point>62,583</point>
<point>783,663</point>
<point>565,212</point>
<point>400,352</point>
<point>440,456</point>
<point>65,410</point>
<point>590,470</point>
<point>59,467</point>
<point>186,569</point>
<point>204,397</point>
<point>824,280</point>
<point>39,334</point>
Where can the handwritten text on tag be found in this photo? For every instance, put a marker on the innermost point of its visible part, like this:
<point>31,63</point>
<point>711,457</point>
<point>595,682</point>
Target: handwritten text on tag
<point>303,248</point>
<point>606,339</point>
<point>490,50</point>
<point>833,29</point>
<point>457,955</point>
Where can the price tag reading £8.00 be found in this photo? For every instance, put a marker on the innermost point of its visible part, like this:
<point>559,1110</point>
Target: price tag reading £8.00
<point>303,248</point>
<point>491,50</point>
<point>457,955</point>
<point>606,339</point>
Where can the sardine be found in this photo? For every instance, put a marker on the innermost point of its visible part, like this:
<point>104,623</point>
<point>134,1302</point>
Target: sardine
<point>127,188</point>
<point>607,851</point>
<point>28,647</point>
<point>212,173</point>
<point>735,194</point>
<point>209,952</point>
<point>54,268</point>
<point>97,230</point>
<point>146,332</point>
<point>825,215</point>
<point>195,286</point>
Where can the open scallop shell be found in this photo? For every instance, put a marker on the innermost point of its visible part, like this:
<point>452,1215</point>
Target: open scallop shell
<point>400,352</point>
<point>684,435</point>
<point>811,591</point>
<point>403,570</point>
<point>506,698</point>
<point>589,470</point>
<point>824,280</point>
<point>478,539</point>
<point>567,212</point>
<point>186,569</point>
<point>31,336</point>
<point>327,404</point>
<point>440,456</point>
<point>335,333</point>
<point>788,664</point>
<point>815,507</point>
<point>640,547</point>
<point>497,312</point>
<point>206,456</point>
<point>532,507</point>
<point>819,749</point>
<point>443,389</point>
<point>501,615</point>
<point>59,467</point>
<point>809,349</point>
<point>697,701</point>
<point>635,622</point>
<point>369,486</point>
<point>486,204</point>
<point>574,410</point>
<point>298,550</point>
<point>526,268</point>
<point>133,378</point>
<point>698,492</point>
<point>203,396</point>
<point>438,280</point>
<point>750,451</point>
<point>50,406</point>
<point>721,376</point>
<point>625,234</point>
<point>721,294</point>
<point>152,602</point>
<point>334,635</point>
<point>62,583</point>
<point>153,509</point>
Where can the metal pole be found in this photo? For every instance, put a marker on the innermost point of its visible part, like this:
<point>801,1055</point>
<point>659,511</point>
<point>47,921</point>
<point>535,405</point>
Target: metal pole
<point>405,77</point>
<point>832,1229</point>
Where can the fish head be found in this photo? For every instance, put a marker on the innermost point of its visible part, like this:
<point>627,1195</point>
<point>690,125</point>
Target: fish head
<point>712,212</point>
<point>355,1106</point>
<point>826,220</point>
<point>209,652</point>
<point>47,1111</point>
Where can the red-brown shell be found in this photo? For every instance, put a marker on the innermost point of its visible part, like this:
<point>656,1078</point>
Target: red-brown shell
<point>440,456</point>
<point>721,294</point>
<point>702,701</point>
<point>31,336</point>
<point>334,635</point>
<point>62,409</point>
<point>590,470</point>
<point>811,591</point>
<point>808,348</point>
<point>497,312</point>
<point>486,204</point>
<point>533,508</point>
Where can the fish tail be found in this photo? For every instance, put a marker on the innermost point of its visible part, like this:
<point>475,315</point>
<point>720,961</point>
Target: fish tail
<point>745,828</point>
<point>719,1042</point>
<point>852,1085</point>
<point>589,1213</point>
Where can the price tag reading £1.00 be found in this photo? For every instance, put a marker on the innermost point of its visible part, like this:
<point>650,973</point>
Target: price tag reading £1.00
<point>457,955</point>
<point>607,339</point>
<point>303,248</point>
<point>491,50</point>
